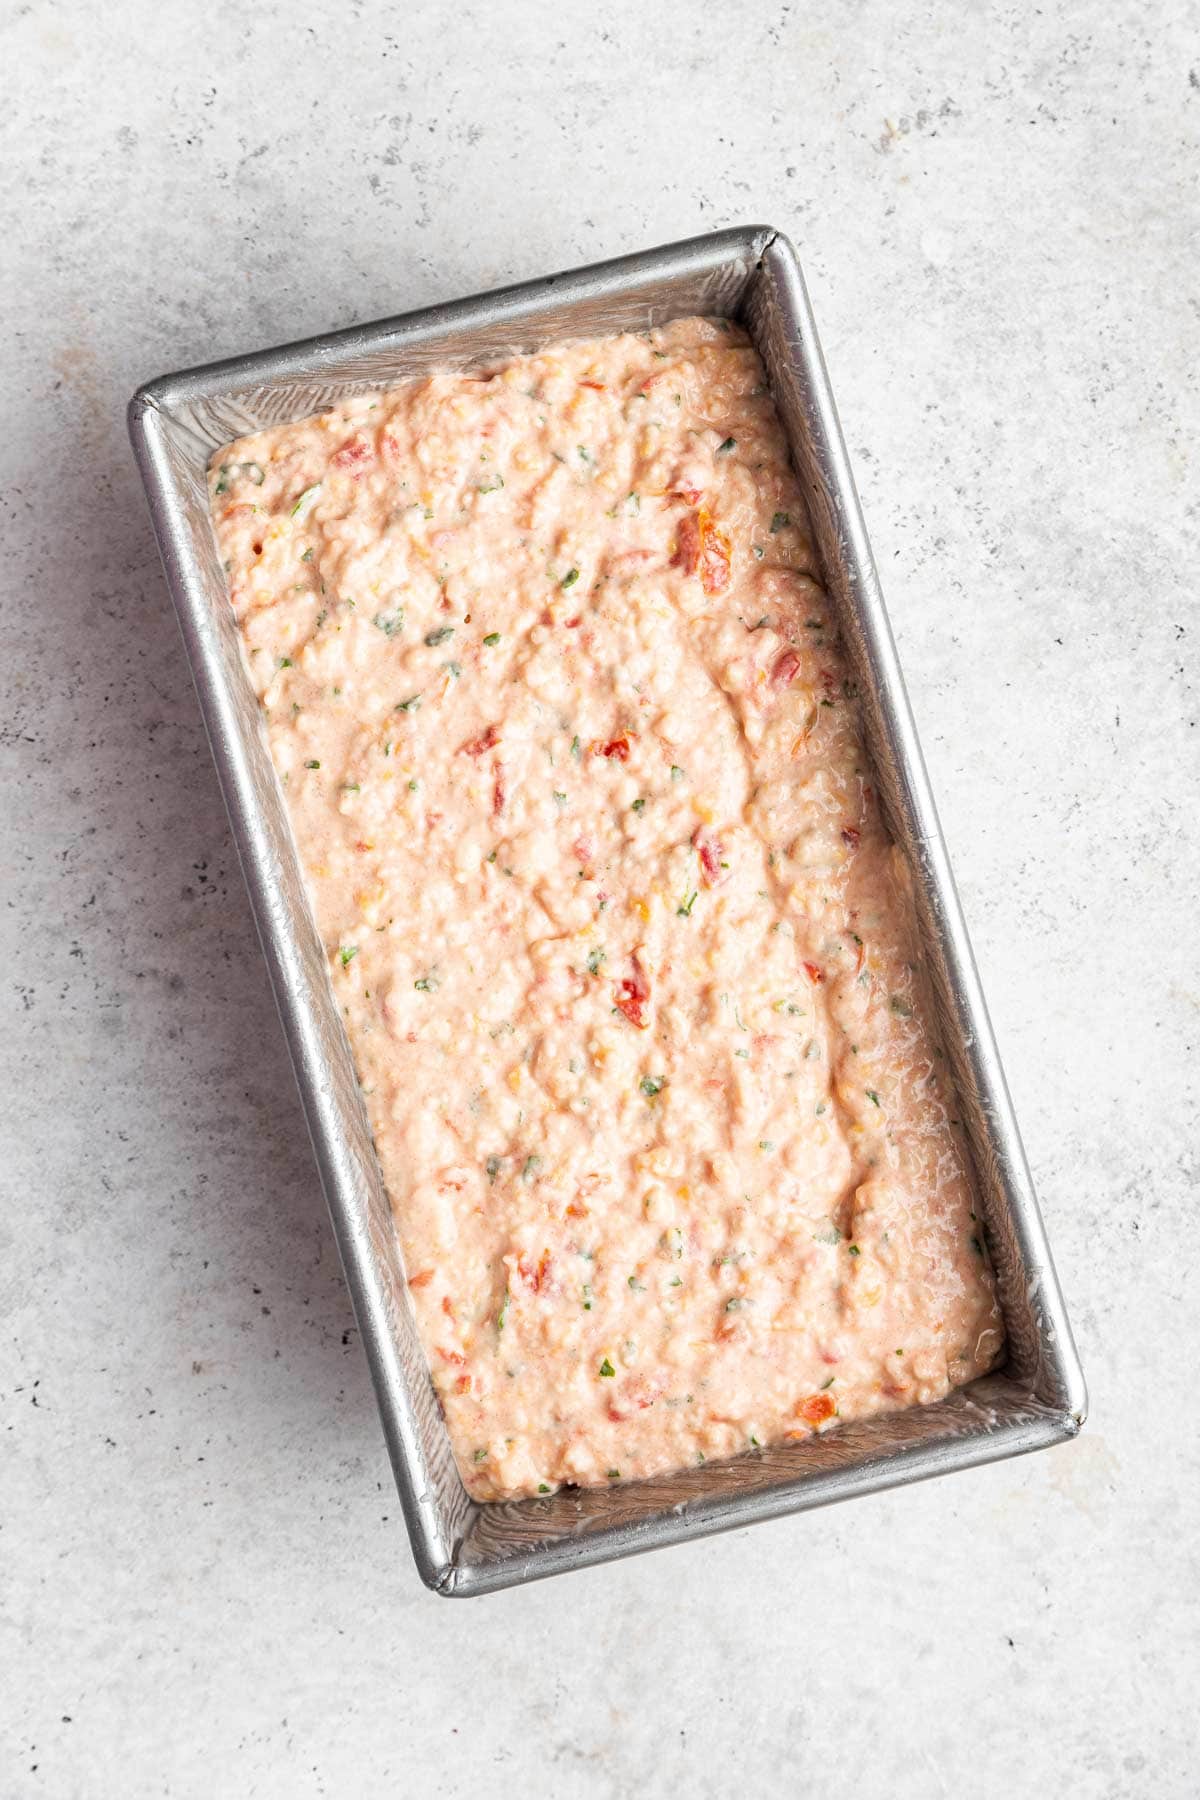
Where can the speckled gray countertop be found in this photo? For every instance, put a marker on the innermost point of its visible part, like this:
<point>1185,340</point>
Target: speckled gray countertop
<point>205,1588</point>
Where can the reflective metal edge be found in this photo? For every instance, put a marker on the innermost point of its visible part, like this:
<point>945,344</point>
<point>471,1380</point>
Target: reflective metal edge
<point>461,1548</point>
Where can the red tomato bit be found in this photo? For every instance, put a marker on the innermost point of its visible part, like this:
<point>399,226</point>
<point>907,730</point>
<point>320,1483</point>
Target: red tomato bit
<point>354,456</point>
<point>703,549</point>
<point>635,1397</point>
<point>633,994</point>
<point>534,1274</point>
<point>787,667</point>
<point>816,1409</point>
<point>710,851</point>
<point>487,741</point>
<point>814,974</point>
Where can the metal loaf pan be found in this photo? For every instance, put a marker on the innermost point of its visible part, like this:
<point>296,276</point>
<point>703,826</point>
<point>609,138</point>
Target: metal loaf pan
<point>753,275</point>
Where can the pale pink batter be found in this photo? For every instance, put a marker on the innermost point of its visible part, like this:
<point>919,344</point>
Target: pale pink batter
<point>625,956</point>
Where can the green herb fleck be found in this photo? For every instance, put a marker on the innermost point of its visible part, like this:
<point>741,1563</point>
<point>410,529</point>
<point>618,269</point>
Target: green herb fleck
<point>440,636</point>
<point>729,444</point>
<point>872,1096</point>
<point>638,806</point>
<point>409,705</point>
<point>531,1168</point>
<point>428,984</point>
<point>391,624</point>
<point>492,639</point>
<point>900,1006</point>
<point>637,1286</point>
<point>492,1168</point>
<point>780,520</point>
<point>595,958</point>
<point>502,1315</point>
<point>542,1488</point>
<point>307,557</point>
<point>684,909</point>
<point>312,763</point>
<point>575,748</point>
<point>606,1368</point>
<point>676,772</point>
<point>853,1250</point>
<point>650,1086</point>
<point>348,952</point>
<point>570,578</point>
<point>492,484</point>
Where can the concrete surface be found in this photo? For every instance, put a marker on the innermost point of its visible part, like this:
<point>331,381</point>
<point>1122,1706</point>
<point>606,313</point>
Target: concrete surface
<point>206,1587</point>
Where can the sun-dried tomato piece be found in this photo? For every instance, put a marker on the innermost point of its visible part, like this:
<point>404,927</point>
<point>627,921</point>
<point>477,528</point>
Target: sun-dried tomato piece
<point>499,790</point>
<point>786,669</point>
<point>633,994</point>
<point>814,974</point>
<point>617,748</point>
<point>597,387</point>
<point>452,1357</point>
